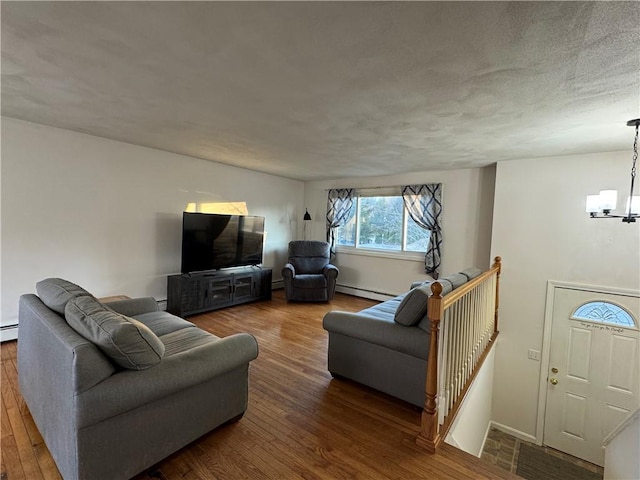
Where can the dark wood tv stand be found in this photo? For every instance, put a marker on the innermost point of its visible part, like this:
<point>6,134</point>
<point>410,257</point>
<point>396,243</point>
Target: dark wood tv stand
<point>194,293</point>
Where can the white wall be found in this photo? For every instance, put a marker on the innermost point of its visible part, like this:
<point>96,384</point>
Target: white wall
<point>621,450</point>
<point>108,215</point>
<point>542,232</point>
<point>469,430</point>
<point>467,212</point>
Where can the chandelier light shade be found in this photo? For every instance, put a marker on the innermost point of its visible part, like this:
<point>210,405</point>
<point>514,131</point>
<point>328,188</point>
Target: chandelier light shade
<point>601,205</point>
<point>634,208</point>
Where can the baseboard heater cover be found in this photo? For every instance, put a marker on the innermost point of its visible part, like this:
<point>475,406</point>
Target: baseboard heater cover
<point>8,332</point>
<point>363,292</point>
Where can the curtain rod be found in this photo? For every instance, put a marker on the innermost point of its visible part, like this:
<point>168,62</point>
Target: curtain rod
<point>363,188</point>
<point>379,187</point>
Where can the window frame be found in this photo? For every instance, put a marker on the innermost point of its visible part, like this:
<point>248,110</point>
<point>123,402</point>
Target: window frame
<point>401,254</point>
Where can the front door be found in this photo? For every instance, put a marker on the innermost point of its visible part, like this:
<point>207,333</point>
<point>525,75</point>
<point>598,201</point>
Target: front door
<point>594,370</point>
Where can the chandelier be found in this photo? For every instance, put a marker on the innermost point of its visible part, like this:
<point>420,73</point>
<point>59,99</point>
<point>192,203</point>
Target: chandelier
<point>600,206</point>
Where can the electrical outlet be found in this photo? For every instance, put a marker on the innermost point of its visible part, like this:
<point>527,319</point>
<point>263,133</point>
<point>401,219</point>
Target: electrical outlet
<point>534,354</point>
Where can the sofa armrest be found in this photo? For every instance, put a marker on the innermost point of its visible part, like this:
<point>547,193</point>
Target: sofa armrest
<point>288,271</point>
<point>134,306</point>
<point>330,271</point>
<point>419,283</point>
<point>130,389</point>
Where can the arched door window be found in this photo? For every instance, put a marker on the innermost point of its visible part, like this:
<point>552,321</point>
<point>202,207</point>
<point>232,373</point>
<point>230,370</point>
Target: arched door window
<point>604,312</point>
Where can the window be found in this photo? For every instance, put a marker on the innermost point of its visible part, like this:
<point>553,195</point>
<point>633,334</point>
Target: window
<point>382,223</point>
<point>604,312</point>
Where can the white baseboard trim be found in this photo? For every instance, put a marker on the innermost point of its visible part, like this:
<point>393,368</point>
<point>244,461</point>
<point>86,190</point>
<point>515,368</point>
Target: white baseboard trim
<point>359,292</point>
<point>451,440</point>
<point>9,333</point>
<point>513,432</point>
<point>486,435</point>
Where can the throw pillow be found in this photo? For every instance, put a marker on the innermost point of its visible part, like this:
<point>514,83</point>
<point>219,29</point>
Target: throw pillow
<point>56,292</point>
<point>413,306</point>
<point>128,342</point>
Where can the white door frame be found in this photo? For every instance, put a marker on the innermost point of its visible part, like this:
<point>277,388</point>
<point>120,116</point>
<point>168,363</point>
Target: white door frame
<point>552,285</point>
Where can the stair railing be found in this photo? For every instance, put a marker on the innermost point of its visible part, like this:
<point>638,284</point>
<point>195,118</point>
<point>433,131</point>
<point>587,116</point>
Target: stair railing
<point>464,327</point>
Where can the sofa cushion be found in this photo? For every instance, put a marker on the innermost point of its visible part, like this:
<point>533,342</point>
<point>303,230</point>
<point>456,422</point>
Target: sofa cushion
<point>456,279</point>
<point>425,324</point>
<point>128,342</point>
<point>447,286</point>
<point>310,280</point>
<point>162,322</point>
<point>385,310</point>
<point>304,265</point>
<point>471,273</point>
<point>185,339</point>
<point>308,256</point>
<point>56,292</point>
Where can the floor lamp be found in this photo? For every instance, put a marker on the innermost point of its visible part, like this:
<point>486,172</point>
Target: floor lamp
<point>305,220</point>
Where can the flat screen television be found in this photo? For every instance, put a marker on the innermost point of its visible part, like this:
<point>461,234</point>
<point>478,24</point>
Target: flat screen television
<point>213,241</point>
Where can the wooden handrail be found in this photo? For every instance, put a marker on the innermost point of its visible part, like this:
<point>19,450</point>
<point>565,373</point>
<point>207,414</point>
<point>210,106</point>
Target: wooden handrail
<point>497,265</point>
<point>461,291</point>
<point>431,434</point>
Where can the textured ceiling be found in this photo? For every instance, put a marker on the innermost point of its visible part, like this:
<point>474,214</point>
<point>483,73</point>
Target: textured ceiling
<point>316,90</point>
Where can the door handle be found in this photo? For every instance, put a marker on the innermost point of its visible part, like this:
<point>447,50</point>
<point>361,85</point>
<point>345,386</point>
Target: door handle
<point>553,381</point>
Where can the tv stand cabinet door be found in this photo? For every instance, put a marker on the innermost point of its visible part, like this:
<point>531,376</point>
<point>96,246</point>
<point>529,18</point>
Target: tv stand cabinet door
<point>186,296</point>
<point>244,288</point>
<point>220,292</point>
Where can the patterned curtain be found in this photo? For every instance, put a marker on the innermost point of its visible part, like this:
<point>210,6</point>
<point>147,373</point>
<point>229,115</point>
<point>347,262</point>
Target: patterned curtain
<point>424,204</point>
<point>339,211</point>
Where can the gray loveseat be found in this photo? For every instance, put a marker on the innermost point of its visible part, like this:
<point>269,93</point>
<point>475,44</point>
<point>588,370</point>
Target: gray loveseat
<point>386,346</point>
<point>144,385</point>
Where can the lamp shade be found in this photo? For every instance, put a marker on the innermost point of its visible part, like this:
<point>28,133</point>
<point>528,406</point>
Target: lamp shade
<point>608,199</point>
<point>306,217</point>
<point>593,204</point>
<point>635,205</point>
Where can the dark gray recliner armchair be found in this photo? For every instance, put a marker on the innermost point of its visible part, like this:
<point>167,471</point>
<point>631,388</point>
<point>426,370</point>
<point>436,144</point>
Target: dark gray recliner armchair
<point>309,277</point>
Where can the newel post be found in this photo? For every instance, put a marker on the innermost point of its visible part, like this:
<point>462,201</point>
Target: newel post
<point>498,266</point>
<point>429,436</point>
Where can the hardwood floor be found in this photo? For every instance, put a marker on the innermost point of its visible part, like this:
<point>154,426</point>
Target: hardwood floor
<point>300,423</point>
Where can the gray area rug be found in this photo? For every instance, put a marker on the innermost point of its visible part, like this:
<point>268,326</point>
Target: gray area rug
<point>535,464</point>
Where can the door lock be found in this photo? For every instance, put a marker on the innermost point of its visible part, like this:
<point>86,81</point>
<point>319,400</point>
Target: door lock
<point>554,370</point>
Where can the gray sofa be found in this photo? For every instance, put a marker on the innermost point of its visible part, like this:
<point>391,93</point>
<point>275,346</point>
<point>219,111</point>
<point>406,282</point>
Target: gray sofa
<point>115,390</point>
<point>386,346</point>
